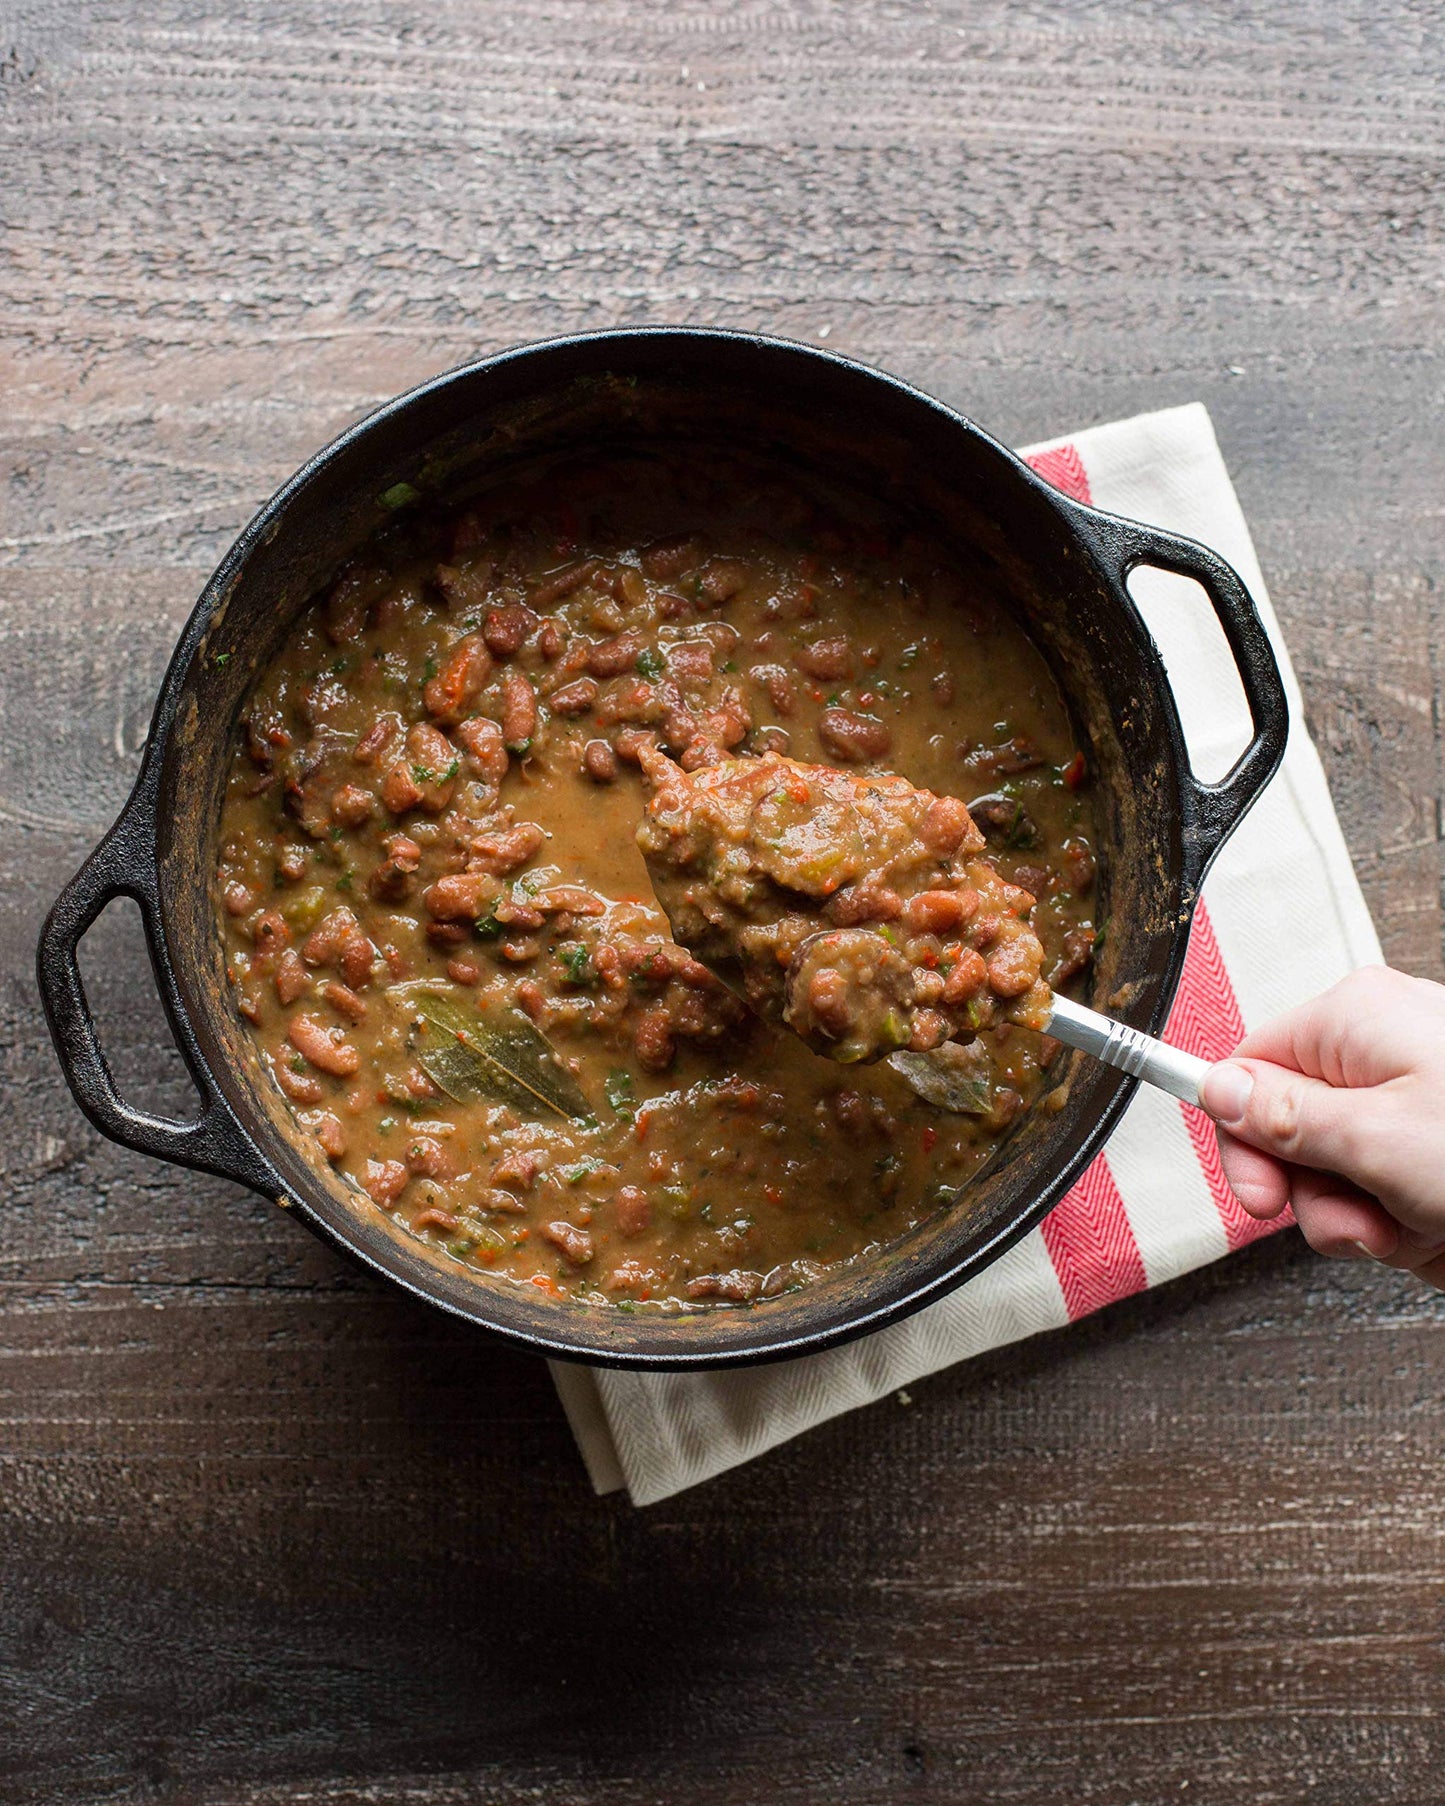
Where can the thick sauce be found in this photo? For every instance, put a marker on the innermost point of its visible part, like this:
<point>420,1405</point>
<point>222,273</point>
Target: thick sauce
<point>440,927</point>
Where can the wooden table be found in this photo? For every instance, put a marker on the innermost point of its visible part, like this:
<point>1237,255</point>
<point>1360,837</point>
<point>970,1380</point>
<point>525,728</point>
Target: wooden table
<point>273,1535</point>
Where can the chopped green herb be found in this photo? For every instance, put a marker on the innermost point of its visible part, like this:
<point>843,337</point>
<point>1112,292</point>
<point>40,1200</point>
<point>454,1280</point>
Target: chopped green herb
<point>399,495</point>
<point>650,662</point>
<point>346,880</point>
<point>574,1175</point>
<point>619,1092</point>
<point>577,963</point>
<point>221,658</point>
<point>429,669</point>
<point>296,1063</point>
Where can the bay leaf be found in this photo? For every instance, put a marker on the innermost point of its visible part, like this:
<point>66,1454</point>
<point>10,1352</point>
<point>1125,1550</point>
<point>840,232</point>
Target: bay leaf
<point>498,1056</point>
<point>956,1076</point>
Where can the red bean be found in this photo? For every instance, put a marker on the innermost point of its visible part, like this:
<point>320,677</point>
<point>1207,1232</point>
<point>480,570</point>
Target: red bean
<point>506,629</point>
<point>632,1211</point>
<point>291,978</point>
<point>509,848</point>
<point>351,806</point>
<point>939,911</point>
<point>665,560</point>
<point>456,686</point>
<point>344,1000</point>
<point>562,583</point>
<point>485,749</point>
<point>385,1180</point>
<point>947,825</point>
<point>575,1243</point>
<point>462,896</point>
<point>315,1045</point>
<point>852,737</point>
<point>519,712</point>
<point>826,660</point>
<point>610,658</point>
<point>599,761</point>
<point>574,698</point>
<point>966,978</point>
<point>271,932</point>
<point>239,898</point>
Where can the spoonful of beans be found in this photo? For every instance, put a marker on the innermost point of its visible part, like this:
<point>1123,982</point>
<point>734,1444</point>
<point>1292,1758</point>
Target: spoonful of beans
<point>858,911</point>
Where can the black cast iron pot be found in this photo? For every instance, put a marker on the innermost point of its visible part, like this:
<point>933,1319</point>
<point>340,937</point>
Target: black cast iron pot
<point>1058,566</point>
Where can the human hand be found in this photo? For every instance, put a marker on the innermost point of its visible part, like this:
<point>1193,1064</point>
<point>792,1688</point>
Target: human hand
<point>1338,1109</point>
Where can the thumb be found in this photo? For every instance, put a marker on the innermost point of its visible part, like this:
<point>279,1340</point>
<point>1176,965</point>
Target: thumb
<point>1298,1119</point>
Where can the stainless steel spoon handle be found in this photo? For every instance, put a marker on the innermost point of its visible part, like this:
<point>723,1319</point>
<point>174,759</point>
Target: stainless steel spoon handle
<point>1140,1055</point>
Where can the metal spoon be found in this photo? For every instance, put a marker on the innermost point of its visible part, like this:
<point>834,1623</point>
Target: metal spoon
<point>1129,1049</point>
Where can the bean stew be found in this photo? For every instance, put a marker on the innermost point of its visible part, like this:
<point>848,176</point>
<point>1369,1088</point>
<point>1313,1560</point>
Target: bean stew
<point>439,925</point>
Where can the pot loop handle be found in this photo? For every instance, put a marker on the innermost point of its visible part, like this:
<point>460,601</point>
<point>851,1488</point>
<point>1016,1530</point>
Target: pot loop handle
<point>1221,806</point>
<point>123,865</point>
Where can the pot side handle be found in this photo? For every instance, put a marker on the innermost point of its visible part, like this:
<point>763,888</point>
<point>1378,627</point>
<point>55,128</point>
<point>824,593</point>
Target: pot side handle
<point>123,865</point>
<point>1220,806</point>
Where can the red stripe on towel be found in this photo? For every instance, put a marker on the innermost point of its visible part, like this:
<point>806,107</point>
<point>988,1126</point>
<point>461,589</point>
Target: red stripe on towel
<point>1206,1021</point>
<point>1091,1244</point>
<point>1064,468</point>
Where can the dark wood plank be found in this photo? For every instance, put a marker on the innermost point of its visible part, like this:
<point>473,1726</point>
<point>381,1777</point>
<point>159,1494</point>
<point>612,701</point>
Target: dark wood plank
<point>272,1535</point>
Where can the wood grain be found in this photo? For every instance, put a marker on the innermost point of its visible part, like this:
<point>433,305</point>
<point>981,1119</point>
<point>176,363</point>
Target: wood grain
<point>272,1535</point>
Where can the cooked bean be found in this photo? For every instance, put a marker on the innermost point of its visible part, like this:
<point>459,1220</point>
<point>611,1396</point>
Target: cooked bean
<point>947,826</point>
<point>519,712</point>
<point>459,682</point>
<point>462,896</point>
<point>551,589</point>
<point>610,658</point>
<point>485,749</point>
<point>827,660</point>
<point>329,936</point>
<point>599,761</point>
<point>443,1221</point>
<point>427,1158</point>
<point>574,698</point>
<point>720,579</point>
<point>780,684</point>
<point>376,739</point>
<point>312,1040</point>
<point>665,560</point>
<point>966,978</point>
<point>654,1040</point>
<point>385,1180</point>
<point>509,848</point>
<point>738,1287</point>
<point>939,911</point>
<point>300,1087</point>
<point>270,931</point>
<point>852,737</point>
<point>239,899</point>
<point>631,743</point>
<point>291,977</point>
<point>351,805</point>
<point>575,1244</point>
<point>631,1210</point>
<point>344,1000</point>
<point>328,1130</point>
<point>506,629</point>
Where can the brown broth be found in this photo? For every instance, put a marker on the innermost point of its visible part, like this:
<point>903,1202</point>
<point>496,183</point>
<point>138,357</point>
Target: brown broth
<point>721,608</point>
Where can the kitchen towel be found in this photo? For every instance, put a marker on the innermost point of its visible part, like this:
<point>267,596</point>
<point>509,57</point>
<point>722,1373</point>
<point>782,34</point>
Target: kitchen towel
<point>1281,918</point>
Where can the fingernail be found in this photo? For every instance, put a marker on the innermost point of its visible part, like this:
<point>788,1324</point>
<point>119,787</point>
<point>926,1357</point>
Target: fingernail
<point>1369,1253</point>
<point>1226,1091</point>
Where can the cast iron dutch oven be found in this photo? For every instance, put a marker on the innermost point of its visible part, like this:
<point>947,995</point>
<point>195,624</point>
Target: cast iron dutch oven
<point>1060,567</point>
